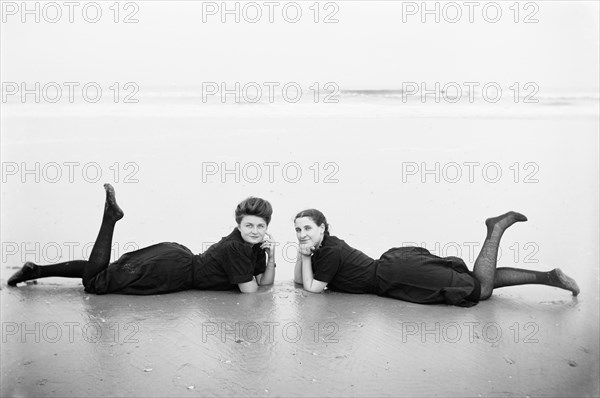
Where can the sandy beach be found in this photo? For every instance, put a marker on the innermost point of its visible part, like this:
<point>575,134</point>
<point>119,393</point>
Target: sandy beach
<point>525,341</point>
<point>406,123</point>
<point>285,342</point>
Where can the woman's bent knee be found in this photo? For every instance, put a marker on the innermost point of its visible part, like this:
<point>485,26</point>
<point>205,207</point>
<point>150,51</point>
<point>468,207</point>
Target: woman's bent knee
<point>486,292</point>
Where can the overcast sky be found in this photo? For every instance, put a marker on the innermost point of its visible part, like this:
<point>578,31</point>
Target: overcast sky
<point>370,46</point>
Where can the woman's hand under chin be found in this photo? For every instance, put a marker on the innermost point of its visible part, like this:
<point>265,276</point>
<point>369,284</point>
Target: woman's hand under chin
<point>268,244</point>
<point>306,249</point>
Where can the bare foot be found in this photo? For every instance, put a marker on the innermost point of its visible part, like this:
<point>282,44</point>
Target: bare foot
<point>499,224</point>
<point>561,280</point>
<point>111,207</point>
<point>27,272</point>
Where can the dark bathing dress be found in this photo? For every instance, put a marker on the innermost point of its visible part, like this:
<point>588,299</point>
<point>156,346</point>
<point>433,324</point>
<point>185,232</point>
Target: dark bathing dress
<point>170,267</point>
<point>405,273</point>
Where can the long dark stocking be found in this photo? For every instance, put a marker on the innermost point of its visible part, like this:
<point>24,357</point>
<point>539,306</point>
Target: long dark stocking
<point>99,258</point>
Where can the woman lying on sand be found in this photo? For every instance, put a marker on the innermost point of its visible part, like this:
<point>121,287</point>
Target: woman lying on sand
<point>244,259</point>
<point>410,273</point>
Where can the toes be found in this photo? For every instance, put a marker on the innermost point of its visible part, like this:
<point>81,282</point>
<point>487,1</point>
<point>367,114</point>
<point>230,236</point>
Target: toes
<point>567,282</point>
<point>16,278</point>
<point>518,216</point>
<point>27,272</point>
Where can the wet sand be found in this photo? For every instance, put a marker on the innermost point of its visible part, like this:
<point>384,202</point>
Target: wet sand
<point>60,341</point>
<point>525,341</point>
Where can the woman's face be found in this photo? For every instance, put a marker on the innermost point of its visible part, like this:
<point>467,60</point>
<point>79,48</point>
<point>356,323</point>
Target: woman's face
<point>253,229</point>
<point>308,232</point>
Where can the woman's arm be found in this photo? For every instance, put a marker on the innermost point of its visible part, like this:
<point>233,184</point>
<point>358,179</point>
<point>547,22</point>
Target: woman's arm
<point>267,277</point>
<point>248,287</point>
<point>309,283</point>
<point>298,269</point>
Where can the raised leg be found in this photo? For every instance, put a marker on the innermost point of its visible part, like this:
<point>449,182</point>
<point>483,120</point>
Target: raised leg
<point>99,258</point>
<point>485,264</point>
<point>491,277</point>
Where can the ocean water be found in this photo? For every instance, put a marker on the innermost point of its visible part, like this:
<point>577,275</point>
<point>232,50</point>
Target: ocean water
<point>265,99</point>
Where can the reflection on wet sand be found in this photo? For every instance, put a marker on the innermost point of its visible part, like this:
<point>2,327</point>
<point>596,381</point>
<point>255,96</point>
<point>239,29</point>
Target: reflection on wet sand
<point>58,340</point>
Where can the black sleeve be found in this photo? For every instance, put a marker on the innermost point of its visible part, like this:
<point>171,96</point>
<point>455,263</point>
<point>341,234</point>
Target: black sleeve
<point>261,262</point>
<point>238,264</point>
<point>326,263</point>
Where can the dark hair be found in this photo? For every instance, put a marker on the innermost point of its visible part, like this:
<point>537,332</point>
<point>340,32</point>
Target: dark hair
<point>253,207</point>
<point>315,215</point>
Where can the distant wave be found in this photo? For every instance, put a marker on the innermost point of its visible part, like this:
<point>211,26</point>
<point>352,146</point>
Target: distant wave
<point>179,101</point>
<point>540,95</point>
<point>197,93</point>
